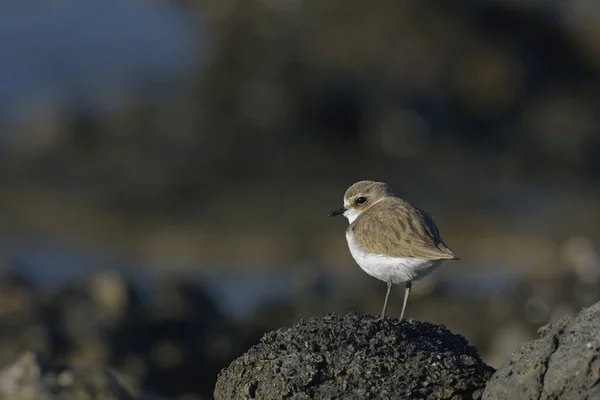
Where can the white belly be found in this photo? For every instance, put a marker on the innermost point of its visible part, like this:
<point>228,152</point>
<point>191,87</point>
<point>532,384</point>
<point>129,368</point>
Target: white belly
<point>386,268</point>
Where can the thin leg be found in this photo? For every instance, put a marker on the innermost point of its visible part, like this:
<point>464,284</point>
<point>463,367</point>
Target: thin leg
<point>406,293</point>
<point>389,288</point>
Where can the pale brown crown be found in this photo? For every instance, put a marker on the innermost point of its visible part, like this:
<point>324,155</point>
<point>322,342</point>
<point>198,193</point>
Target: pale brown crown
<point>395,228</point>
<point>369,190</point>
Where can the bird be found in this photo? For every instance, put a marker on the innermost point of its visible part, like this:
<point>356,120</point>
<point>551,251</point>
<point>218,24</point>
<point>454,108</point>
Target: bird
<point>391,239</point>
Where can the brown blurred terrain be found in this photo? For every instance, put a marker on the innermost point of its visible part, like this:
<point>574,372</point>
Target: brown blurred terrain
<point>179,208</point>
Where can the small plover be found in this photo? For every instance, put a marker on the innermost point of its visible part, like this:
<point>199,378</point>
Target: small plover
<point>391,239</point>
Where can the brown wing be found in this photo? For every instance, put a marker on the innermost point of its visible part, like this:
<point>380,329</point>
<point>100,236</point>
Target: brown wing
<point>396,228</point>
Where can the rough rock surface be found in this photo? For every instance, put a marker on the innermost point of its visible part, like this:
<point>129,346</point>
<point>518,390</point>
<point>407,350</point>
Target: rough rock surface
<point>357,357</point>
<point>564,363</point>
<point>32,377</point>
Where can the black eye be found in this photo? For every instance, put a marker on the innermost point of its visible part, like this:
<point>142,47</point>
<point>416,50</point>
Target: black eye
<point>361,200</point>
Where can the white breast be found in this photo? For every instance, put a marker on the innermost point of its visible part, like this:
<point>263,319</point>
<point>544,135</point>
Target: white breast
<point>387,268</point>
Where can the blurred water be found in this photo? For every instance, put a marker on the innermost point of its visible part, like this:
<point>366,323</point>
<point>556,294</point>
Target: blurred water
<point>50,265</point>
<point>86,54</point>
<point>487,280</point>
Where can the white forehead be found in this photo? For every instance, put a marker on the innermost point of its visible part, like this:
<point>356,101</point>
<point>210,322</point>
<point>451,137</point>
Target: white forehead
<point>347,202</point>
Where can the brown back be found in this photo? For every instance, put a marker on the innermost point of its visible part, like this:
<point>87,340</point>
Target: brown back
<point>398,229</point>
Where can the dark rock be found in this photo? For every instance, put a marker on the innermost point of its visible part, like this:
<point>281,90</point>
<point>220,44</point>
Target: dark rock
<point>32,377</point>
<point>564,363</point>
<point>22,326</point>
<point>357,357</point>
<point>171,340</point>
<point>82,315</point>
<point>181,341</point>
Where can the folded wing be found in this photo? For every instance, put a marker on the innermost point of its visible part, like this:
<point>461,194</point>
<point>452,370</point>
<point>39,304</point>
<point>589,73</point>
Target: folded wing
<point>398,229</point>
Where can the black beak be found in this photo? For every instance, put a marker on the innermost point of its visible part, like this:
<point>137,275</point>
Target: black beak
<point>339,211</point>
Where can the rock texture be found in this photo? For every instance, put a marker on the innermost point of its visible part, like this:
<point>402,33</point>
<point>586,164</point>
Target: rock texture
<point>564,363</point>
<point>357,357</point>
<point>34,378</point>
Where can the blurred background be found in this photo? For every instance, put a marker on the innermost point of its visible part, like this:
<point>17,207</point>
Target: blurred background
<point>167,168</point>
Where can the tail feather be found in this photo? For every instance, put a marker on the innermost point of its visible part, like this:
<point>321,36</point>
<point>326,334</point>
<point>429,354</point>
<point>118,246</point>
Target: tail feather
<point>448,252</point>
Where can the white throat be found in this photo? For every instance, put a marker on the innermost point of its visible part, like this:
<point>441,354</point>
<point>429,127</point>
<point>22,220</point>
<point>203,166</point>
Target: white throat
<point>351,214</point>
